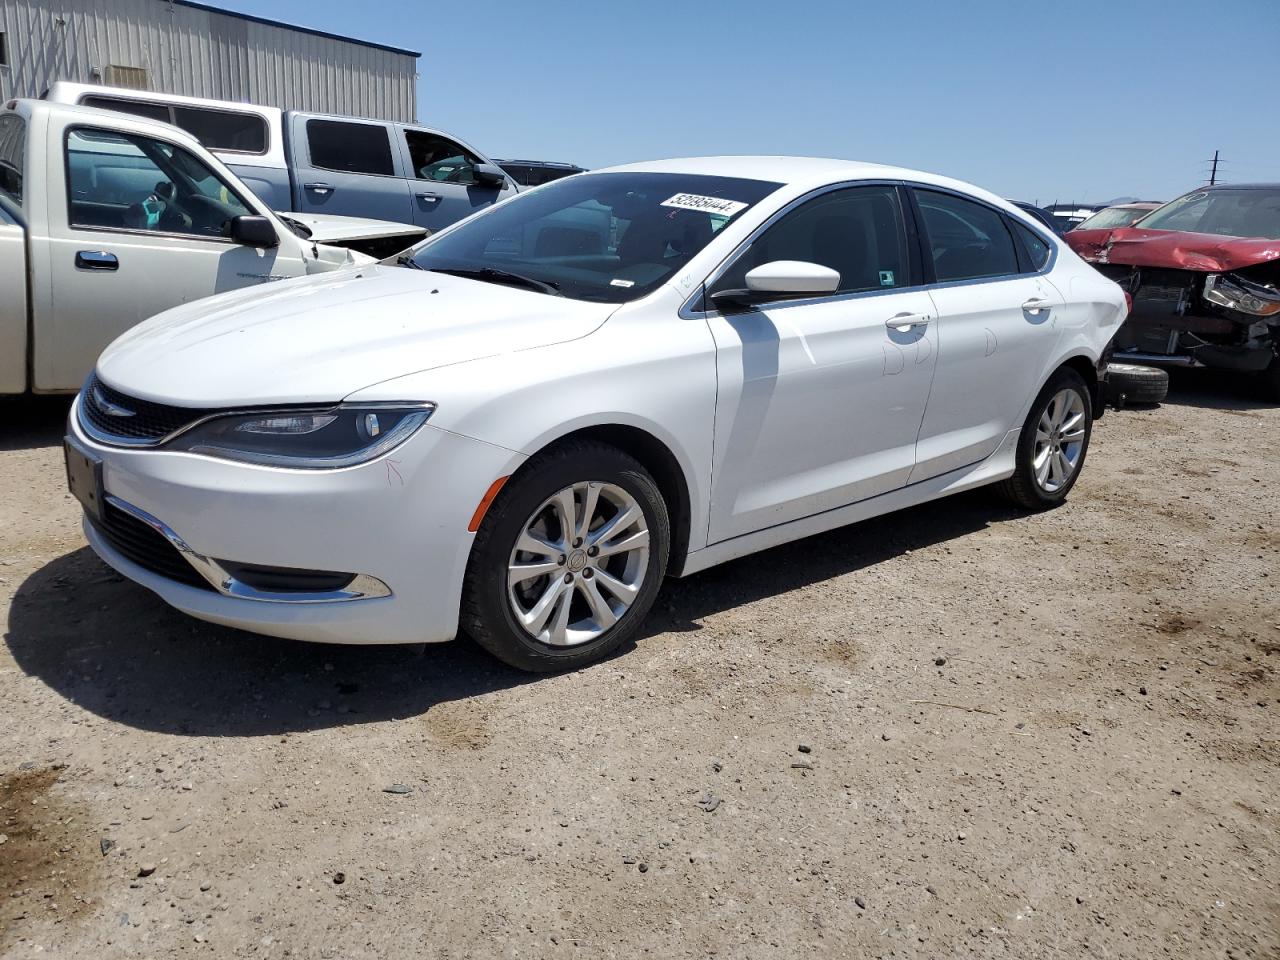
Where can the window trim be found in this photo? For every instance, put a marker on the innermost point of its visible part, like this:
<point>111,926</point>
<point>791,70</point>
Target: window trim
<point>21,201</point>
<point>172,109</point>
<point>391,147</point>
<point>129,231</point>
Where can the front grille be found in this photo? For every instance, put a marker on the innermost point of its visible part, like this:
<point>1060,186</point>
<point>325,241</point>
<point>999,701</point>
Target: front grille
<point>133,422</point>
<point>146,546</point>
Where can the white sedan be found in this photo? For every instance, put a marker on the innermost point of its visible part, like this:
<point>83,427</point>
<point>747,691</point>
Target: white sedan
<point>518,429</point>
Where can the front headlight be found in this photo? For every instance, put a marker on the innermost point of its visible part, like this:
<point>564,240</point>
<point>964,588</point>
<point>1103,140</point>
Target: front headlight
<point>307,439</point>
<point>1236,293</point>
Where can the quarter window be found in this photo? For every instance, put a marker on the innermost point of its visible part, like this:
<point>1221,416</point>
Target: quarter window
<point>857,232</point>
<point>969,240</point>
<point>1036,246</point>
<point>128,182</point>
<point>352,147</point>
<point>438,158</point>
<point>13,144</point>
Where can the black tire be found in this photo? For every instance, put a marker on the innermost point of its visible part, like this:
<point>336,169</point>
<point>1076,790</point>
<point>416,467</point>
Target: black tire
<point>486,613</point>
<point>1271,380</point>
<point>1022,488</point>
<point>1130,383</point>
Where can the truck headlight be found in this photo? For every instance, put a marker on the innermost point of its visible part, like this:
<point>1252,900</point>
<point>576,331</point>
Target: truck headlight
<point>307,439</point>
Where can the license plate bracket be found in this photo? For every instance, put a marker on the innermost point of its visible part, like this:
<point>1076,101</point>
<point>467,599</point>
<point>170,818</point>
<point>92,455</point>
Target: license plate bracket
<point>84,477</point>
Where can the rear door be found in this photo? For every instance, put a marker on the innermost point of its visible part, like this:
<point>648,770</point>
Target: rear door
<point>348,167</point>
<point>997,326</point>
<point>442,178</point>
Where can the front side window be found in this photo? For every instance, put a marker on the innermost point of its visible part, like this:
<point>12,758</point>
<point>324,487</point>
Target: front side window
<point>607,237</point>
<point>969,240</point>
<point>440,159</point>
<point>1221,211</point>
<point>128,182</point>
<point>13,145</point>
<point>857,232</point>
<point>350,147</point>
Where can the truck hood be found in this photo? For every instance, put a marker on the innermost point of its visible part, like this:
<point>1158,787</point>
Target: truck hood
<point>318,339</point>
<point>330,228</point>
<point>1206,252</point>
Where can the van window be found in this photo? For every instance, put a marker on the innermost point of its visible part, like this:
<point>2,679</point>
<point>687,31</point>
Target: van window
<point>138,108</point>
<point>13,144</point>
<point>353,147</point>
<point>223,129</point>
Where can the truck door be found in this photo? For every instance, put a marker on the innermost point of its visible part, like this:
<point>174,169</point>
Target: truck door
<point>347,167</point>
<point>442,178</point>
<point>135,224</point>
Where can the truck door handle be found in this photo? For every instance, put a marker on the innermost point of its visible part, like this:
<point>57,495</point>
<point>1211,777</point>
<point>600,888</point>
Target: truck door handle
<point>428,196</point>
<point>96,260</point>
<point>902,322</point>
<point>1035,305</point>
<point>319,187</point>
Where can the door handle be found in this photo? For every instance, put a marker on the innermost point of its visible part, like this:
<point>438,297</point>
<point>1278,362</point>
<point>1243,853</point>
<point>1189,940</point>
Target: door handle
<point>902,322</point>
<point>319,187</point>
<point>1035,305</point>
<point>428,196</point>
<point>96,260</point>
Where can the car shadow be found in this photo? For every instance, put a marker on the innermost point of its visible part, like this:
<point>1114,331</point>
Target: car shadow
<point>115,649</point>
<point>1217,390</point>
<point>32,422</point>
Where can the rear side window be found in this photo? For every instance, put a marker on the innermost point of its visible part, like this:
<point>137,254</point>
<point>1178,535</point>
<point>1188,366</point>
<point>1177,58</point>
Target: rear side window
<point>152,111</point>
<point>13,144</point>
<point>352,147</point>
<point>223,129</point>
<point>969,240</point>
<point>1036,246</point>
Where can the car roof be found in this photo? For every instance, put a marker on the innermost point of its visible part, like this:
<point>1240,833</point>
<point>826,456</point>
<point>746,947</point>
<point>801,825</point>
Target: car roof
<point>1237,186</point>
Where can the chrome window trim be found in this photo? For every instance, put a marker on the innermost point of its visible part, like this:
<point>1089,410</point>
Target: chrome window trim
<point>361,587</point>
<point>689,310</point>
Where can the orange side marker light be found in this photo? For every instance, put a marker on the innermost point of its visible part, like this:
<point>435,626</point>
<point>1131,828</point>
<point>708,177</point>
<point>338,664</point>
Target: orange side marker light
<point>485,501</point>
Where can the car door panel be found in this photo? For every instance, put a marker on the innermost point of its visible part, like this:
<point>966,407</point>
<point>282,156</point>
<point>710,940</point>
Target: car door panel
<point>349,168</point>
<point>437,200</point>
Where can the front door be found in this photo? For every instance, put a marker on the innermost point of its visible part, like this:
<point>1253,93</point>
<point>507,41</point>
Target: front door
<point>820,400</point>
<point>139,225</point>
<point>442,179</point>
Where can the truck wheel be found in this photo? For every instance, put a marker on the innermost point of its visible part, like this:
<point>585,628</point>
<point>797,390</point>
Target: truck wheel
<point>1131,383</point>
<point>568,559</point>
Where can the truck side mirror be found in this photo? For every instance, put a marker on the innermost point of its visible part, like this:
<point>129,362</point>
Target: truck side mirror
<point>254,231</point>
<point>489,175</point>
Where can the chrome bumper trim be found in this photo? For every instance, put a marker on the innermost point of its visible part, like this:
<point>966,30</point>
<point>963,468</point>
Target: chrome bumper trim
<point>362,587</point>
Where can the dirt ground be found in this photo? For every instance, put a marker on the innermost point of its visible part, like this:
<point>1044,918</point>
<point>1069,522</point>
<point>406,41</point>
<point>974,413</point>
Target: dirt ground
<point>957,731</point>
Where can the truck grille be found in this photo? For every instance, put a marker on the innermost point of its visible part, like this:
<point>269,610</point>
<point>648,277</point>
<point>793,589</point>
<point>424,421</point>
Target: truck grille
<point>146,546</point>
<point>113,417</point>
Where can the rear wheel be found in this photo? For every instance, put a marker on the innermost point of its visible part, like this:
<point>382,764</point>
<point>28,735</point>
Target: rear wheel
<point>568,559</point>
<point>1053,443</point>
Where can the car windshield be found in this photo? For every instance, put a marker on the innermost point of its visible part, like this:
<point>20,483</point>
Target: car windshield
<point>607,237</point>
<point>1110,218</point>
<point>1225,212</point>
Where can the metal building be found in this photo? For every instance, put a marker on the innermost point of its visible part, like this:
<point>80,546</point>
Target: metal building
<point>179,46</point>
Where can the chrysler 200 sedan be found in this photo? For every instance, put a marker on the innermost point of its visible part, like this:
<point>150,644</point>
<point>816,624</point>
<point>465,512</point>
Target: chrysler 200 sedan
<point>519,427</point>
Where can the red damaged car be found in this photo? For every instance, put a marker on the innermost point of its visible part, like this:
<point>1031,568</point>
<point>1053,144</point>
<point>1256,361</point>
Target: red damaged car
<point>1204,274</point>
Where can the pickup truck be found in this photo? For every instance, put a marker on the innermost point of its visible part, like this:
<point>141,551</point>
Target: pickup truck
<point>315,163</point>
<point>107,219</point>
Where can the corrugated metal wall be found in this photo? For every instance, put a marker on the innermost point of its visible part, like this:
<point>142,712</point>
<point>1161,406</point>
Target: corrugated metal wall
<point>201,53</point>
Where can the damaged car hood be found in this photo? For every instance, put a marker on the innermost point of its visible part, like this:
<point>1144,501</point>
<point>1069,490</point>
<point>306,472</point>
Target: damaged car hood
<point>1206,252</point>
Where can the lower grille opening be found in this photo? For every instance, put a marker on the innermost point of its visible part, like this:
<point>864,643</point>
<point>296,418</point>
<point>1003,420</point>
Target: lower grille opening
<point>146,546</point>
<point>287,579</point>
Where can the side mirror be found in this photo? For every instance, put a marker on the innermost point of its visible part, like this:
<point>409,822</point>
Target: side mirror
<point>781,280</point>
<point>489,175</point>
<point>254,231</point>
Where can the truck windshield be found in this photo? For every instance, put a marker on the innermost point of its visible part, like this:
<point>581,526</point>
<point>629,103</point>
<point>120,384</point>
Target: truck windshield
<point>607,237</point>
<point>1245,212</point>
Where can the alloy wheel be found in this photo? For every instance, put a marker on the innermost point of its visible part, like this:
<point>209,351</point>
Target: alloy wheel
<point>1060,436</point>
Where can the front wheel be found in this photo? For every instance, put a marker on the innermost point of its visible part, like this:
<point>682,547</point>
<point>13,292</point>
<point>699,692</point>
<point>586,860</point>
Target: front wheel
<point>568,559</point>
<point>1053,444</point>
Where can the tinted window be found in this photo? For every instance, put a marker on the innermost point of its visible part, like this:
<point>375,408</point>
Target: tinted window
<point>1037,246</point>
<point>152,111</point>
<point>223,130</point>
<point>13,144</point>
<point>354,147</point>
<point>438,158</point>
<point>1225,212</point>
<point>969,240</point>
<point>857,232</point>
<point>608,237</point>
<point>127,182</point>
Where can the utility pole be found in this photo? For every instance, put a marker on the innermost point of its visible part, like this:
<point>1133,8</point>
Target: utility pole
<point>1213,173</point>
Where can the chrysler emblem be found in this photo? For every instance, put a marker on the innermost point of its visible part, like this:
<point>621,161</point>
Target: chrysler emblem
<point>109,408</point>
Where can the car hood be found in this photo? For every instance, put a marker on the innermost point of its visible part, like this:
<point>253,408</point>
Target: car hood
<point>318,339</point>
<point>330,228</point>
<point>1087,243</point>
<point>1206,252</point>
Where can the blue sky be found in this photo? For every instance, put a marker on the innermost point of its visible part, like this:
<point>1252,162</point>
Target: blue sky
<point>1034,99</point>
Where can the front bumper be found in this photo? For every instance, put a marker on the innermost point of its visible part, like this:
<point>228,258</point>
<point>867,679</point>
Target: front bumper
<point>398,523</point>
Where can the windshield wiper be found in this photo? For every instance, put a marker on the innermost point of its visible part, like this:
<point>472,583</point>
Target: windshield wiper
<point>406,260</point>
<point>494,275</point>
